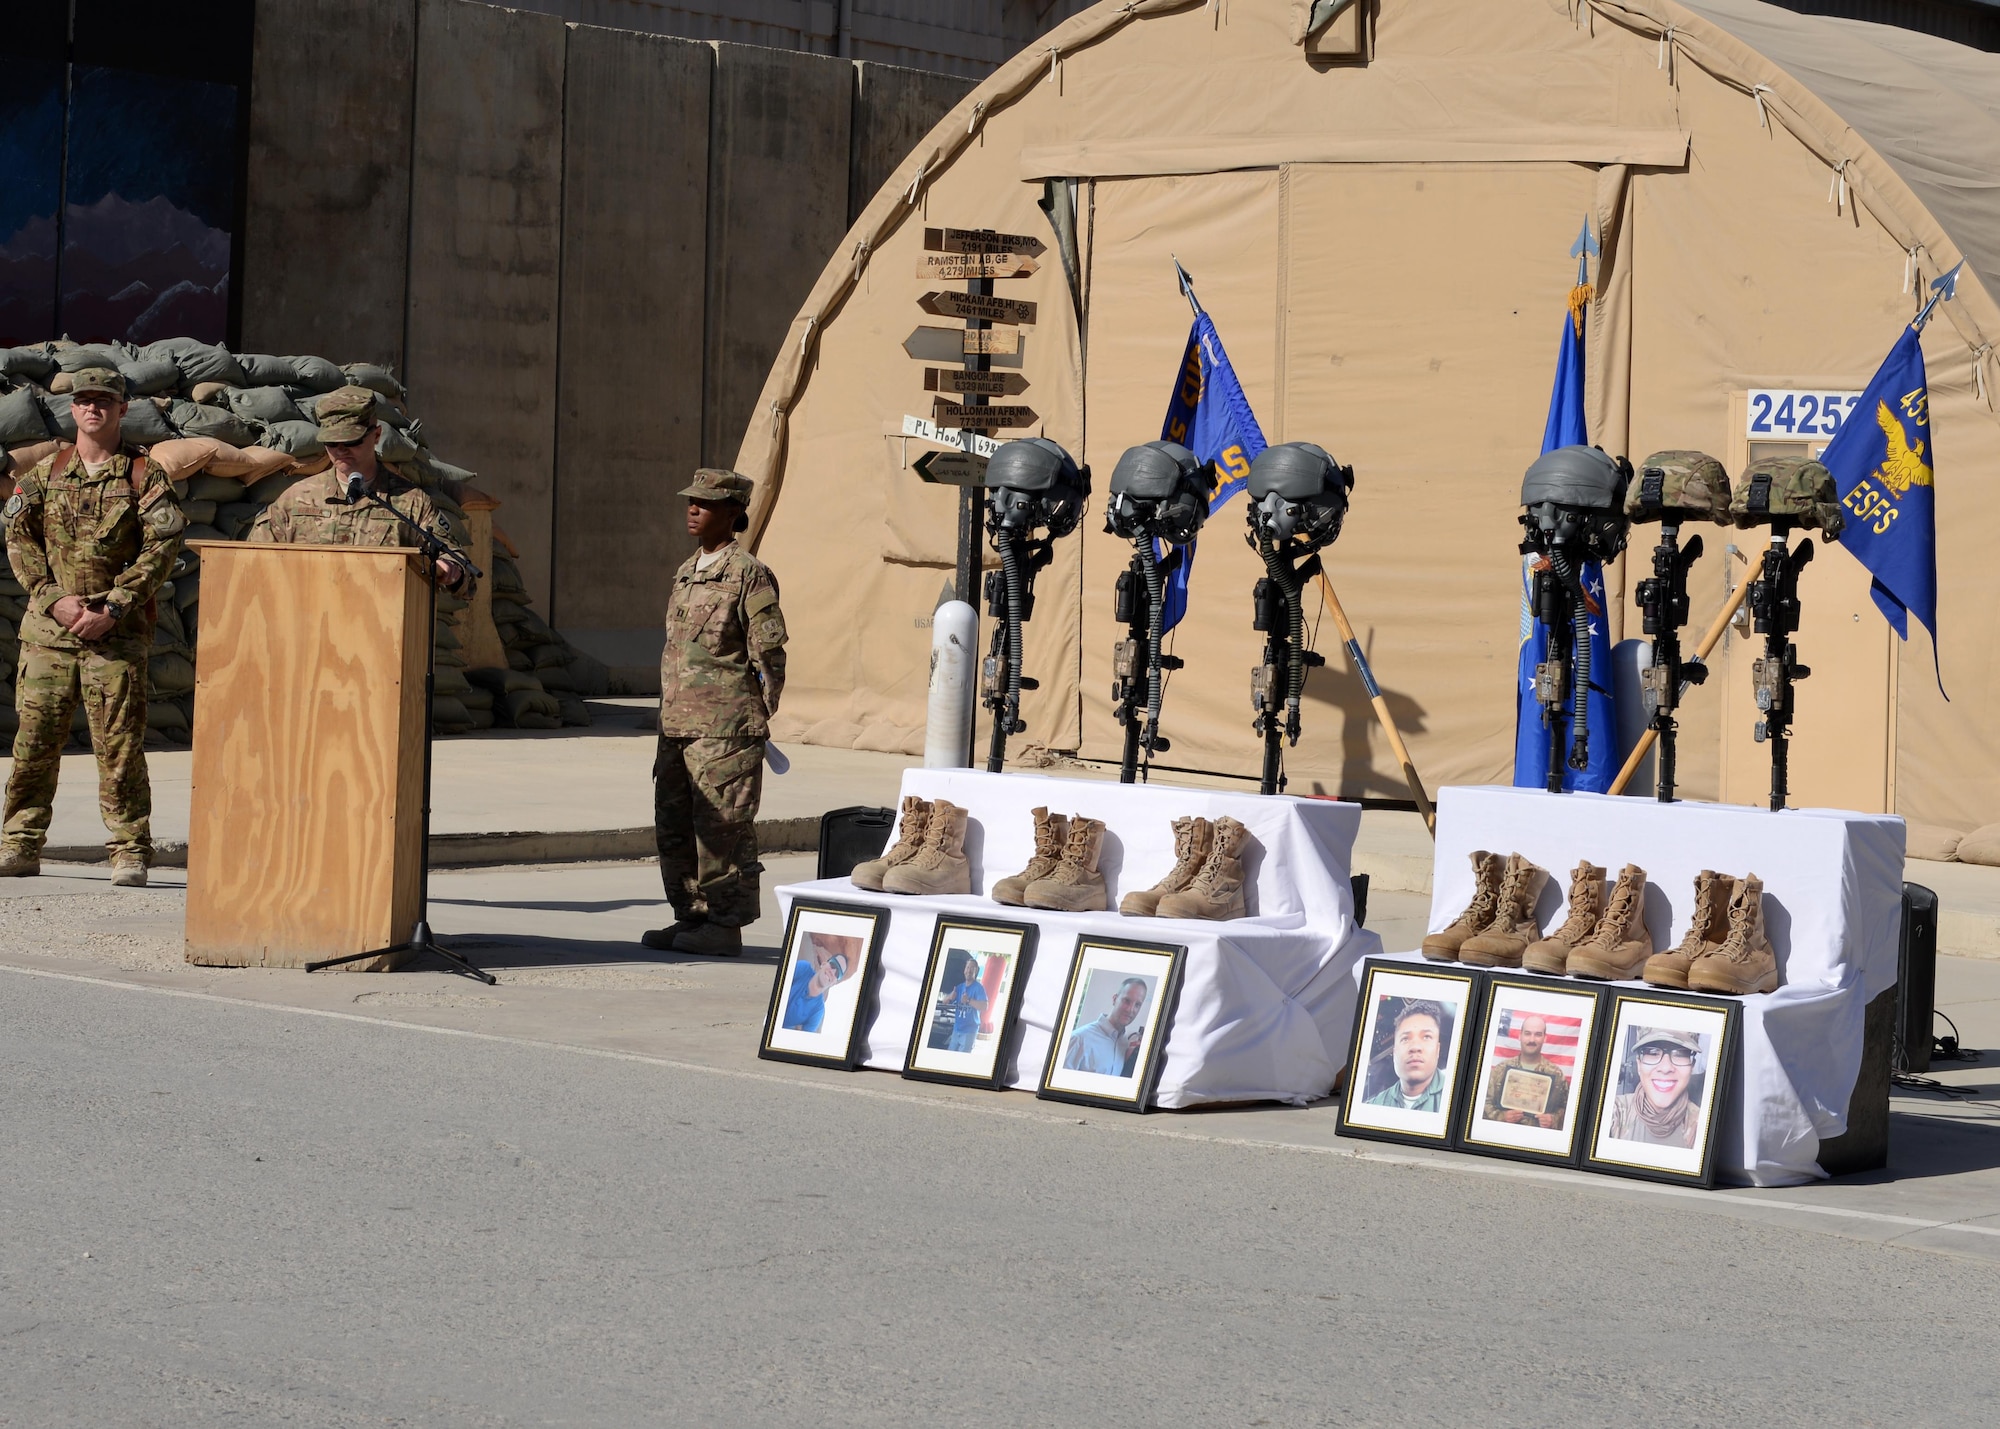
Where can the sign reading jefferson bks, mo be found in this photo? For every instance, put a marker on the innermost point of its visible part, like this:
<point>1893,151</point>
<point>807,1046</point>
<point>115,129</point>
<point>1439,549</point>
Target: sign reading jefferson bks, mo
<point>981,240</point>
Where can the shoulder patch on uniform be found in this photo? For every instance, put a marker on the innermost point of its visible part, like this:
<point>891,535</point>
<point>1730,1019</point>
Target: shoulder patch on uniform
<point>157,490</point>
<point>760,600</point>
<point>16,504</point>
<point>168,520</point>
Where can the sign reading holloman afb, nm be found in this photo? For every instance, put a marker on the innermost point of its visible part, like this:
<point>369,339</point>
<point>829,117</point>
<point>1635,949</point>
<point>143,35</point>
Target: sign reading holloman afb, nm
<point>952,414</point>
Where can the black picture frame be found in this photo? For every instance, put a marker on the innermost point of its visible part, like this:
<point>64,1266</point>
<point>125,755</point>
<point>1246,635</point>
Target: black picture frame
<point>842,1046</point>
<point>923,1060</point>
<point>1126,959</point>
<point>1557,1000</point>
<point>1716,1024</point>
<point>1459,991</point>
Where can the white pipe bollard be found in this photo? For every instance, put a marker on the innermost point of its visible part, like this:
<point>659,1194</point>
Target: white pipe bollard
<point>948,724</point>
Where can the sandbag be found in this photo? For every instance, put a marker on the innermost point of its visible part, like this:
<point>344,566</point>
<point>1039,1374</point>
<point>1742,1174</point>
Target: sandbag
<point>474,698</point>
<point>1930,841</point>
<point>531,709</point>
<point>77,358</point>
<point>23,418</point>
<point>454,658</point>
<point>236,518</point>
<point>270,488</point>
<point>297,438</point>
<point>445,471</point>
<point>180,459</point>
<point>146,424</point>
<point>263,370</point>
<point>34,363</point>
<point>210,394</point>
<point>201,363</point>
<point>148,377</point>
<point>574,712</point>
<point>452,682</point>
<point>263,404</point>
<point>504,682</point>
<point>249,464</point>
<point>196,420</point>
<point>549,657</point>
<point>199,513</point>
<point>166,717</point>
<point>393,446</point>
<point>374,378</point>
<point>195,532</point>
<point>447,638</point>
<point>390,415</point>
<point>483,719</point>
<point>448,714</point>
<point>316,374</point>
<point>518,660</point>
<point>449,604</point>
<point>207,486</point>
<point>62,382</point>
<point>30,455</point>
<point>506,612</point>
<point>1981,846</point>
<point>56,407</point>
<point>171,674</point>
<point>311,465</point>
<point>590,675</point>
<point>187,591</point>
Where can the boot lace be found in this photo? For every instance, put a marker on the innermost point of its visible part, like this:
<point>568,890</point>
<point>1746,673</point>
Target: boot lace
<point>1737,947</point>
<point>1704,915</point>
<point>1585,904</point>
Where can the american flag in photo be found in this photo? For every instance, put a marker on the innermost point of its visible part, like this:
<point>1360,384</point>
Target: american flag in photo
<point>1564,1034</point>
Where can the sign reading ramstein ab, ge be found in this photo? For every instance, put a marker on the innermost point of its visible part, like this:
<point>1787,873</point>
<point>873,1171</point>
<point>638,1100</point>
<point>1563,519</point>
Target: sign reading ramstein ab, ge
<point>978,384</point>
<point>952,414</point>
<point>978,305</point>
<point>981,240</point>
<point>951,468</point>
<point>956,267</point>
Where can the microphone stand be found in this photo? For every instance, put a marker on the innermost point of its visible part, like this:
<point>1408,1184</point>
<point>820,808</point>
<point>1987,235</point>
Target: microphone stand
<point>420,940</point>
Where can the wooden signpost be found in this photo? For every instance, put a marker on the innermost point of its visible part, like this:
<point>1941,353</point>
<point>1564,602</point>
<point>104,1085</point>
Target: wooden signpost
<point>981,240</point>
<point>981,417</point>
<point>952,468</point>
<point>982,384</point>
<point>967,305</point>
<point>952,267</point>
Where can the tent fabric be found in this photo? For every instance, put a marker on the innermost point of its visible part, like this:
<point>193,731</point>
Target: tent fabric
<point>1382,243</point>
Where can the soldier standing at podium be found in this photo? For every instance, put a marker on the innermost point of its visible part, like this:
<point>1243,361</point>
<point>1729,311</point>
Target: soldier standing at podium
<point>316,511</point>
<point>91,534</point>
<point>721,675</point>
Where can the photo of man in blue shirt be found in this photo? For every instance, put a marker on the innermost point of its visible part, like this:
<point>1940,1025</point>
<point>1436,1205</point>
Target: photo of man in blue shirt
<point>813,975</point>
<point>968,1008</point>
<point>1106,1046</point>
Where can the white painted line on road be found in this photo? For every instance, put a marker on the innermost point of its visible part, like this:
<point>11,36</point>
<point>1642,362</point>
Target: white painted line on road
<point>1468,1165</point>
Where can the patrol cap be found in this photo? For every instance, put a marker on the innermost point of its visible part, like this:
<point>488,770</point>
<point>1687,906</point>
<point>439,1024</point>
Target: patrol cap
<point>346,414</point>
<point>1668,1037</point>
<point>107,380</point>
<point>714,484</point>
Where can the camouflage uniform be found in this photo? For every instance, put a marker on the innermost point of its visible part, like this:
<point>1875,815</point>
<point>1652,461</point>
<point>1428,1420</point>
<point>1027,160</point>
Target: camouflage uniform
<point>70,532</point>
<point>721,676</point>
<point>1496,1081</point>
<point>315,512</point>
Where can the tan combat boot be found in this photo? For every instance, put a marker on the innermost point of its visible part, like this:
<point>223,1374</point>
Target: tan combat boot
<point>1503,942</point>
<point>1706,931</point>
<point>1745,962</point>
<point>1051,833</point>
<point>19,863</point>
<point>1217,891</point>
<point>1487,870</point>
<point>1192,837</point>
<point>940,865</point>
<point>1620,946</point>
<point>1075,885</point>
<point>910,838</point>
<point>1586,906</point>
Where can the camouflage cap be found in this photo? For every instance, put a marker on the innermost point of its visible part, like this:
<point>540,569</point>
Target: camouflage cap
<point>107,380</point>
<point>1669,1036</point>
<point>1793,488</point>
<point>345,415</point>
<point>1677,485</point>
<point>714,484</point>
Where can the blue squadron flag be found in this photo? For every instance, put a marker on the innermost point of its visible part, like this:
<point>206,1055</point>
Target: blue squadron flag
<point>1882,462</point>
<point>1209,415</point>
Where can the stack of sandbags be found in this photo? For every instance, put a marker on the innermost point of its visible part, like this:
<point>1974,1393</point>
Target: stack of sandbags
<point>234,431</point>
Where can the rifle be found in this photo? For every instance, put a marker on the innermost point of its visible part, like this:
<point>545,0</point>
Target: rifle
<point>1774,612</point>
<point>1663,606</point>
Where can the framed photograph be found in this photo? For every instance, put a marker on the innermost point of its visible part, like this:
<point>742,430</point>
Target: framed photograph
<point>1110,1037</point>
<point>1533,1087</point>
<point>968,1013</point>
<point>1668,1062</point>
<point>1403,1070</point>
<point>824,996</point>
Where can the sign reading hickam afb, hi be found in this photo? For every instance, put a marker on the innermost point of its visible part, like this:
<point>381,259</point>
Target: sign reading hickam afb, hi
<point>981,240</point>
<point>954,414</point>
<point>956,267</point>
<point>951,468</point>
<point>982,384</point>
<point>977,305</point>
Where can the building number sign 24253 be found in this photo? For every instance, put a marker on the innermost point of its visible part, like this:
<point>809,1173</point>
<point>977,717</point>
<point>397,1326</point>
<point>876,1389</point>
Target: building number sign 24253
<point>1779,412</point>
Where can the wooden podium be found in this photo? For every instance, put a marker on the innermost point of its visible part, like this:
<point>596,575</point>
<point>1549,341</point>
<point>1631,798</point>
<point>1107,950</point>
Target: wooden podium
<point>305,833</point>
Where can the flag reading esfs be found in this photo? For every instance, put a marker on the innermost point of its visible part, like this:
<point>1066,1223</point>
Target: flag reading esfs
<point>1882,464</point>
<point>1209,415</point>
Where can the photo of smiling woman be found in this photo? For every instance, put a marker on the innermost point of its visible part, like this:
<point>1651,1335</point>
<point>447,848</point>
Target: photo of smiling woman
<point>1663,1107</point>
<point>1667,1074</point>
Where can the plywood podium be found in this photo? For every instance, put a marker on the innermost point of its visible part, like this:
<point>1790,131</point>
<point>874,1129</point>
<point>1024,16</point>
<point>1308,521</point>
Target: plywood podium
<point>305,833</point>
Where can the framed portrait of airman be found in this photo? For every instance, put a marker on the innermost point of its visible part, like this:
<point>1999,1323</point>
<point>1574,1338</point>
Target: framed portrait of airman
<point>1403,1069</point>
<point>824,996</point>
<point>1532,1070</point>
<point>969,1007</point>
<point>1109,1042</point>
<point>1668,1059</point>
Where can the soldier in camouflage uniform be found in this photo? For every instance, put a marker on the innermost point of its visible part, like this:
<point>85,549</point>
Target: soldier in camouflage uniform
<point>315,512</point>
<point>721,675</point>
<point>92,534</point>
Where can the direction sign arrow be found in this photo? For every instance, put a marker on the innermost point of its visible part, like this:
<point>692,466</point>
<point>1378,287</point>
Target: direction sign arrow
<point>993,339</point>
<point>983,384</point>
<point>981,240</point>
<point>950,344</point>
<point>977,305</point>
<point>952,267</point>
<point>952,468</point>
<point>952,414</point>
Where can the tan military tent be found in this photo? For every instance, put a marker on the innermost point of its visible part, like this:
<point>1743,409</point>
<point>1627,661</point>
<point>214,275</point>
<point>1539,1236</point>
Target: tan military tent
<point>1377,213</point>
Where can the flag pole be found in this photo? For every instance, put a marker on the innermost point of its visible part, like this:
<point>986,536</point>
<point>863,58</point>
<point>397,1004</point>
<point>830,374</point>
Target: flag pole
<point>1187,285</point>
<point>1944,287</point>
<point>1382,715</point>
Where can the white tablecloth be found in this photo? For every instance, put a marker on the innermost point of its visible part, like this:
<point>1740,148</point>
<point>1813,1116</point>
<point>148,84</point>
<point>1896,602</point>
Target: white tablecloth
<point>1267,1004</point>
<point>1833,888</point>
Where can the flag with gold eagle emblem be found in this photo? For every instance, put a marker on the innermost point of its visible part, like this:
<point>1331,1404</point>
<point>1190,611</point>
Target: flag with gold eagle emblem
<point>1883,465</point>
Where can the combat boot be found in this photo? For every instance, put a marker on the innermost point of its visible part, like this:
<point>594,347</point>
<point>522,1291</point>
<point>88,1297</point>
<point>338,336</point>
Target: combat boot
<point>1487,870</point>
<point>1619,947</point>
<point>939,865</point>
<point>1503,942</point>
<point>1586,906</point>
<point>1192,838</point>
<point>711,940</point>
<point>661,940</point>
<point>909,838</point>
<point>1217,891</point>
<point>128,873</point>
<point>19,863</point>
<point>1745,962</point>
<point>1706,931</point>
<point>1075,885</point>
<point>1051,833</point>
